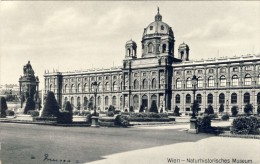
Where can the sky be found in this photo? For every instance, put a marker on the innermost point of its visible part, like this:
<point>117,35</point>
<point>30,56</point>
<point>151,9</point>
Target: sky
<point>78,35</point>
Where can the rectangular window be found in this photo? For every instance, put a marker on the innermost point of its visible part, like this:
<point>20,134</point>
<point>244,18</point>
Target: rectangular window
<point>235,82</point>
<point>223,82</point>
<point>178,84</point>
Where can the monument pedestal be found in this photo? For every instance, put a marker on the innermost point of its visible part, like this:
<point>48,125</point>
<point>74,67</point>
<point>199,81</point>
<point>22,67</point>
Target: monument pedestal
<point>193,126</point>
<point>94,121</point>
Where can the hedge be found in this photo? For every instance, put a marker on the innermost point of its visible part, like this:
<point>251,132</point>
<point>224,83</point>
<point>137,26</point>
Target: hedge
<point>246,125</point>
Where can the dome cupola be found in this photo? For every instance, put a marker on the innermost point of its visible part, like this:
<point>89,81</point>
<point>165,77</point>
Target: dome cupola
<point>157,38</point>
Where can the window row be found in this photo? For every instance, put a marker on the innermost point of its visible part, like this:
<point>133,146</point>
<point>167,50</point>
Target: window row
<point>222,81</point>
<point>234,98</point>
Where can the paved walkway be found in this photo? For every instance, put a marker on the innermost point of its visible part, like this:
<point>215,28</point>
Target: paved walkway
<point>225,150</point>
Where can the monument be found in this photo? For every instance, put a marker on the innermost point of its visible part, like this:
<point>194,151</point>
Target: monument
<point>29,88</point>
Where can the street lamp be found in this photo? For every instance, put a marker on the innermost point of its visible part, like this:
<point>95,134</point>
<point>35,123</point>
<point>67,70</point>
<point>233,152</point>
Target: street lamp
<point>94,85</point>
<point>194,81</point>
<point>193,119</point>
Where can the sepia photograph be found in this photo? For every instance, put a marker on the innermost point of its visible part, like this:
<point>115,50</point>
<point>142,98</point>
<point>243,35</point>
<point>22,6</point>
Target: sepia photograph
<point>133,82</point>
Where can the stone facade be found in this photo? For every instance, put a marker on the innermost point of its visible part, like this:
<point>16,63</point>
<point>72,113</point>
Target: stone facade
<point>161,77</point>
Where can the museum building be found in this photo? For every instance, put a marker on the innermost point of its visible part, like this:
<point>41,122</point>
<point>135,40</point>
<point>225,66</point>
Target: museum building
<point>160,76</point>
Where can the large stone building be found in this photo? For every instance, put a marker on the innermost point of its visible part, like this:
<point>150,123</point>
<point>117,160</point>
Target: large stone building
<point>160,76</point>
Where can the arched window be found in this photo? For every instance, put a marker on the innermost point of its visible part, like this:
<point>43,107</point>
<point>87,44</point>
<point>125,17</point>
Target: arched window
<point>115,86</point>
<point>78,103</point>
<point>211,81</point>
<point>145,84</point>
<point>235,80</point>
<point>150,48</point>
<point>210,98</point>
<point>221,98</point>
<point>65,88</point>
<point>136,84</point>
<point>106,100</point>
<point>258,98</point>
<point>98,100</point>
<point>72,102</point>
<point>79,88</point>
<point>178,83</point>
<point>85,87</point>
<point>114,100</point>
<point>107,86</point>
<point>200,82</point>
<point>99,87</point>
<point>164,48</point>
<point>153,83</point>
<point>177,99</point>
<point>188,98</point>
<point>223,81</point>
<point>233,98</point>
<point>129,52</point>
<point>72,88</point>
<point>85,103</point>
<point>198,97</point>
<point>248,80</point>
<point>246,98</point>
<point>188,83</point>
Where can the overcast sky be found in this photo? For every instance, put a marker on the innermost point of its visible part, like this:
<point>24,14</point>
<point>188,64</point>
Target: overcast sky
<point>79,35</point>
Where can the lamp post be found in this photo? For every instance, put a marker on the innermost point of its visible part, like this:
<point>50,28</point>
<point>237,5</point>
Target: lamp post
<point>227,107</point>
<point>193,119</point>
<point>95,95</point>
<point>194,81</point>
<point>94,118</point>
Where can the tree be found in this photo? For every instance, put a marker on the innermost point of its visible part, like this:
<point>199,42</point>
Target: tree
<point>248,109</point>
<point>221,108</point>
<point>177,111</point>
<point>3,106</point>
<point>154,107</point>
<point>66,116</point>
<point>234,110</point>
<point>29,105</point>
<point>51,107</point>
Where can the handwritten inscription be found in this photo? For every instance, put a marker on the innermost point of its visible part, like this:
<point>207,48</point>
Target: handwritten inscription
<point>47,158</point>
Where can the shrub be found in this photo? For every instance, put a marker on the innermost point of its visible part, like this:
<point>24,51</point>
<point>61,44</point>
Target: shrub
<point>212,116</point>
<point>221,108</point>
<point>209,110</point>
<point>33,113</point>
<point>111,108</point>
<point>246,125</point>
<point>76,112</point>
<point>9,112</point>
<point>121,121</point>
<point>131,109</point>
<point>204,123</point>
<point>176,111</point>
<point>258,109</point>
<point>51,107</point>
<point>3,106</point>
<point>117,111</point>
<point>141,108</point>
<point>68,107</point>
<point>64,117</point>
<point>225,117</point>
<point>30,105</point>
<point>110,114</point>
<point>248,109</point>
<point>85,113</point>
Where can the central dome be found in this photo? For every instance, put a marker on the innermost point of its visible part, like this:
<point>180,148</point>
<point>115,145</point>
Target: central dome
<point>157,28</point>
